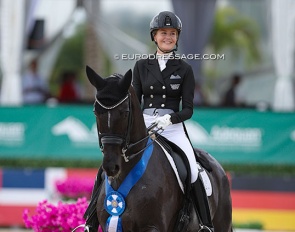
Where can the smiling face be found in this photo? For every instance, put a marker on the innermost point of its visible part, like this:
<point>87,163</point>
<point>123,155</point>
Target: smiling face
<point>166,39</point>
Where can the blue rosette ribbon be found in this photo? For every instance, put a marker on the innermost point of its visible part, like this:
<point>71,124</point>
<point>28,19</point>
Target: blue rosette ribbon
<point>114,202</point>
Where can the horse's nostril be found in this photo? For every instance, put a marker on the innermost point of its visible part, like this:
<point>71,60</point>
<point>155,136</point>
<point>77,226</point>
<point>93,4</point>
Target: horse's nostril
<point>112,170</point>
<point>117,168</point>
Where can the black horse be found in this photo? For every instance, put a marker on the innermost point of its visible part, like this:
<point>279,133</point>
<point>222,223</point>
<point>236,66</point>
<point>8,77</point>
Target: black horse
<point>155,199</point>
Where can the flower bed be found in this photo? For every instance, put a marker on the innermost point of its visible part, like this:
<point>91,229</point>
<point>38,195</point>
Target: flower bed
<point>74,188</point>
<point>55,218</point>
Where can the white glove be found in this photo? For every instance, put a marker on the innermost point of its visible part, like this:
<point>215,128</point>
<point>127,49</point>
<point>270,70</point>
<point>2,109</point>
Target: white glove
<point>164,121</point>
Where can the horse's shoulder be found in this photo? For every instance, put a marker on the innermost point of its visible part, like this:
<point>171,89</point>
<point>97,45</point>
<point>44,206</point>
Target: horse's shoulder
<point>158,150</point>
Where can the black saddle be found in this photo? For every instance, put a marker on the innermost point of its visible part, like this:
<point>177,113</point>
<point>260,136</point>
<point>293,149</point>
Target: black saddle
<point>181,160</point>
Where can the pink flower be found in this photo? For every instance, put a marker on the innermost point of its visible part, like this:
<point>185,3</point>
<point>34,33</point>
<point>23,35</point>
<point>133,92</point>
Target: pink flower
<point>55,218</point>
<point>73,188</point>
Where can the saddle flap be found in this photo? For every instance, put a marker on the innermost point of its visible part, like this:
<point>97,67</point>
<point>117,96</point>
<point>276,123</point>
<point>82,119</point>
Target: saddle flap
<point>178,159</point>
<point>182,166</point>
<point>173,165</point>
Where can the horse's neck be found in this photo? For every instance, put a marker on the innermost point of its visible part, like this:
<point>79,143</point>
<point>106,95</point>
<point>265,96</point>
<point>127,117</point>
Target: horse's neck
<point>138,129</point>
<point>126,168</point>
<point>137,133</point>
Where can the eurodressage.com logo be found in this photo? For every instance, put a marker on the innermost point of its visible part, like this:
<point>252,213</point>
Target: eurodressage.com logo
<point>170,56</point>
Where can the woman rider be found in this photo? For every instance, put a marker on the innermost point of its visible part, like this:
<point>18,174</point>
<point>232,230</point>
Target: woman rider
<point>161,83</point>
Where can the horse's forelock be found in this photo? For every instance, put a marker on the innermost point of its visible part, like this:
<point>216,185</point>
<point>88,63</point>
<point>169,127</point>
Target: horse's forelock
<point>111,94</point>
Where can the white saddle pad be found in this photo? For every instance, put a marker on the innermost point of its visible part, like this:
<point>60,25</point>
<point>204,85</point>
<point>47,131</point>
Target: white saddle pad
<point>206,180</point>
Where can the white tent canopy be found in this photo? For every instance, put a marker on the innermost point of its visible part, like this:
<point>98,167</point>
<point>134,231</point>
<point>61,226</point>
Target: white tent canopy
<point>283,34</point>
<point>12,37</point>
<point>17,18</point>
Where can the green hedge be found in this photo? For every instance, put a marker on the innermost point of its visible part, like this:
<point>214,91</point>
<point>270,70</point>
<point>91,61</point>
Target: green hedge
<point>260,169</point>
<point>249,225</point>
<point>236,168</point>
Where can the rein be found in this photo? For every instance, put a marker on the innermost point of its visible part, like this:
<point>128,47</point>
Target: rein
<point>107,138</point>
<point>151,132</point>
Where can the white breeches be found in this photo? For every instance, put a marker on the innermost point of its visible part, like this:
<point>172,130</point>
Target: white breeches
<point>176,134</point>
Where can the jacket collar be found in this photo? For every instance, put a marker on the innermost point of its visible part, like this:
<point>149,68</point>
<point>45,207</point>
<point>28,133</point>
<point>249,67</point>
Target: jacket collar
<point>171,66</point>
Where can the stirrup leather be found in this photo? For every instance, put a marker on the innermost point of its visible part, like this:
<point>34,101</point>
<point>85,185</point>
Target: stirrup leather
<point>201,205</point>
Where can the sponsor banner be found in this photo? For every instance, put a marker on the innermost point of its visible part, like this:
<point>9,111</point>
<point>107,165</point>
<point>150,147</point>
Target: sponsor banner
<point>62,132</point>
<point>244,135</point>
<point>24,188</point>
<point>274,210</point>
<point>263,200</point>
<point>272,220</point>
<point>69,132</point>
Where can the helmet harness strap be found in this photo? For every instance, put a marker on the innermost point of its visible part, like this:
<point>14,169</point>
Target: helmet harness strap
<point>173,50</point>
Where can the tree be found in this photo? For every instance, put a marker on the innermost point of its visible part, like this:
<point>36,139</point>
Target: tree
<point>236,32</point>
<point>237,37</point>
<point>70,57</point>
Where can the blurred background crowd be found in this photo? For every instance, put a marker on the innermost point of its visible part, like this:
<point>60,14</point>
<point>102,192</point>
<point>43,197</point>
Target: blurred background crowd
<point>250,45</point>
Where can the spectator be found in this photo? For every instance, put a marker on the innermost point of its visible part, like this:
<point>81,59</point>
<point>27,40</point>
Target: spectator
<point>199,99</point>
<point>35,88</point>
<point>230,98</point>
<point>69,91</point>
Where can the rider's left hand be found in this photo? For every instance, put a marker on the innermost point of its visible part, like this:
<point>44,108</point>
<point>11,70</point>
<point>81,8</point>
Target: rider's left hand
<point>164,121</point>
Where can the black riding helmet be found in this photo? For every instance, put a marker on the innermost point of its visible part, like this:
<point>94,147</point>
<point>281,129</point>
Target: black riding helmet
<point>165,19</point>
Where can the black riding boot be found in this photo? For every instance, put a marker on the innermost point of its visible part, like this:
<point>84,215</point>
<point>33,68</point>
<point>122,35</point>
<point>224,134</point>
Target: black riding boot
<point>90,214</point>
<point>202,206</point>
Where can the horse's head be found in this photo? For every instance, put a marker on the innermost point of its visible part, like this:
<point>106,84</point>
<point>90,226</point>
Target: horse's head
<point>113,117</point>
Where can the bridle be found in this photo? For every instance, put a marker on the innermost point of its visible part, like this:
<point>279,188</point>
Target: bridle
<point>124,140</point>
<point>108,138</point>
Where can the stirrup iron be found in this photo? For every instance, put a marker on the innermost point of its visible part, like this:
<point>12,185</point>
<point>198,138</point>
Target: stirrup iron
<point>205,229</point>
<point>86,228</point>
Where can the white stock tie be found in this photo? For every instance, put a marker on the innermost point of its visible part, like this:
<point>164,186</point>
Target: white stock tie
<point>162,64</point>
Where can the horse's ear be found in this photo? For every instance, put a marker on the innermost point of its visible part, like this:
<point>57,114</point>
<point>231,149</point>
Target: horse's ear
<point>97,81</point>
<point>125,82</point>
